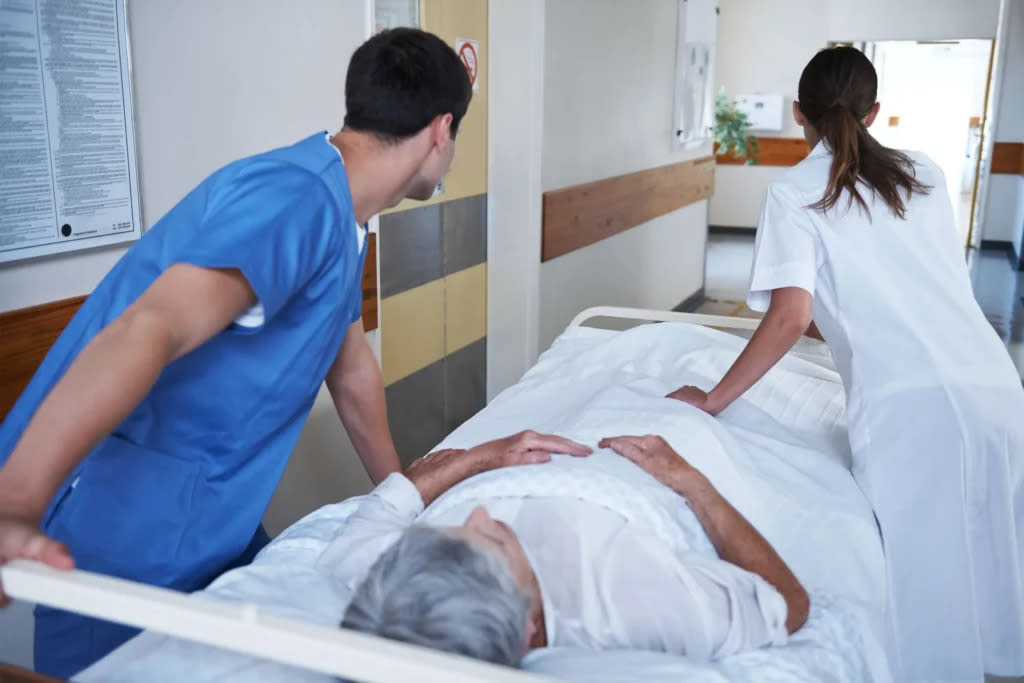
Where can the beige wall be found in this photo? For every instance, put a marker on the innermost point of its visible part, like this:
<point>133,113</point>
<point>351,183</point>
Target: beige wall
<point>609,74</point>
<point>764,46</point>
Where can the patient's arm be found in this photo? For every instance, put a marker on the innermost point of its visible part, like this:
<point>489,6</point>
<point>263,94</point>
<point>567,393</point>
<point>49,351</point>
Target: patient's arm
<point>735,539</point>
<point>437,472</point>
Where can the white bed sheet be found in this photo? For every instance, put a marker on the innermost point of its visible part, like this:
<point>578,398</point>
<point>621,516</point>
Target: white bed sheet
<point>780,454</point>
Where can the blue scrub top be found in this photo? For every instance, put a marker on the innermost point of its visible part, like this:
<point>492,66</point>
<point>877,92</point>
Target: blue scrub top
<point>176,493</point>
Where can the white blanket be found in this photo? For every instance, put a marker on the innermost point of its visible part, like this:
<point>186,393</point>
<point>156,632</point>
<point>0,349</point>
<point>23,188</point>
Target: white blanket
<point>780,454</point>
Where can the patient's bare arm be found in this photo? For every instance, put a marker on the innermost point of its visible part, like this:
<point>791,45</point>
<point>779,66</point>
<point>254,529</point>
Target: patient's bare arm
<point>735,539</point>
<point>437,472</point>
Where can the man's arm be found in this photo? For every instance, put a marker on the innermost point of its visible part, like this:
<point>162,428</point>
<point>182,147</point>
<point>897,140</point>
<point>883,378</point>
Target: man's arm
<point>735,539</point>
<point>185,306</point>
<point>357,389</point>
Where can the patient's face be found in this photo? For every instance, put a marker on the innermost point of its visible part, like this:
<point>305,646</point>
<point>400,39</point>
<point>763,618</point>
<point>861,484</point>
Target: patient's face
<point>496,536</point>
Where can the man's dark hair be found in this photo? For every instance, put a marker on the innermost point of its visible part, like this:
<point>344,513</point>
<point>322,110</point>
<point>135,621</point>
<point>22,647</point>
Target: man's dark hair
<point>402,79</point>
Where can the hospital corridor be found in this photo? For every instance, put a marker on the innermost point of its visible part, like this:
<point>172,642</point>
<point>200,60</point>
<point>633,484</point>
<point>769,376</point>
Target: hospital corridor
<point>512,340</point>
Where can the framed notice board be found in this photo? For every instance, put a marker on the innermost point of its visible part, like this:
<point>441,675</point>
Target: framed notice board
<point>68,174</point>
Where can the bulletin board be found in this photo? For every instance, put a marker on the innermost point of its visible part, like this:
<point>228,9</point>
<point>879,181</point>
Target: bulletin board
<point>68,177</point>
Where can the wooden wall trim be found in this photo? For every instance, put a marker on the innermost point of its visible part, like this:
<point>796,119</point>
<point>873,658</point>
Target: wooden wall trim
<point>772,152</point>
<point>574,217</point>
<point>1008,157</point>
<point>27,334</point>
<point>13,674</point>
<point>369,284</point>
<point>25,337</point>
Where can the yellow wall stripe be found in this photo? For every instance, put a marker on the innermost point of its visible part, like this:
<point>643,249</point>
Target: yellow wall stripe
<point>412,330</point>
<point>422,325</point>
<point>465,307</point>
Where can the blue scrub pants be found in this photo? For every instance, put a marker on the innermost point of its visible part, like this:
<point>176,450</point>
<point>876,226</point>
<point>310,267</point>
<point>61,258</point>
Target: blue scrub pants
<point>67,643</point>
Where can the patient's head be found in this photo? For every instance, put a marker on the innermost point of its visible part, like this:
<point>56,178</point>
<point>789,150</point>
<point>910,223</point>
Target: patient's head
<point>467,590</point>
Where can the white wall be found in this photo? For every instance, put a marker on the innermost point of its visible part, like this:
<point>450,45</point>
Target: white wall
<point>763,47</point>
<point>910,19</point>
<point>609,74</point>
<point>1003,208</point>
<point>1010,116</point>
<point>213,82</point>
<point>753,59</point>
<point>1004,219</point>
<point>514,145</point>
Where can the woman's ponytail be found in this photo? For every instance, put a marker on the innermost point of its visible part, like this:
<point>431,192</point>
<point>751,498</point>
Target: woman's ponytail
<point>837,91</point>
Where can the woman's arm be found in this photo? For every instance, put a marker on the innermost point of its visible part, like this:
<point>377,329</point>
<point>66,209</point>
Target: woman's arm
<point>788,317</point>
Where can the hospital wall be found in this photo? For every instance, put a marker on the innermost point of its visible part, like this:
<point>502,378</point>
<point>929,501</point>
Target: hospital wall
<point>1004,206</point>
<point>609,70</point>
<point>763,47</point>
<point>209,88</point>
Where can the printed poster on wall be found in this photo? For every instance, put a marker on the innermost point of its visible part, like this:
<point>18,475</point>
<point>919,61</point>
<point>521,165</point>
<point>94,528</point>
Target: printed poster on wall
<point>68,177</point>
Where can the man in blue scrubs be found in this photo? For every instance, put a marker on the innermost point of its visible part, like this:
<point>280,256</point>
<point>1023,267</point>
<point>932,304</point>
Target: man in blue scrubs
<point>152,437</point>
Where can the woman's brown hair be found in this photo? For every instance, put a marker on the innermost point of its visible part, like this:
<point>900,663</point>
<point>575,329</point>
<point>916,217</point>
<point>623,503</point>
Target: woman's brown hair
<point>837,91</point>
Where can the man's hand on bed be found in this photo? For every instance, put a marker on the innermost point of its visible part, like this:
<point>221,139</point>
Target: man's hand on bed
<point>696,397</point>
<point>435,473</point>
<point>20,539</point>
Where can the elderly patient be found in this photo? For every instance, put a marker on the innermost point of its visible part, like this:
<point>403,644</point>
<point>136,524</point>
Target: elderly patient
<point>494,575</point>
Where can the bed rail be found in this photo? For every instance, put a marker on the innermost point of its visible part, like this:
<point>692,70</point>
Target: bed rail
<point>651,315</point>
<point>244,629</point>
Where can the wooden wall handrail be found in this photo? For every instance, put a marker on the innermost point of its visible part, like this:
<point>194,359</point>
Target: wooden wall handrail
<point>27,334</point>
<point>574,217</point>
<point>772,152</point>
<point>1008,157</point>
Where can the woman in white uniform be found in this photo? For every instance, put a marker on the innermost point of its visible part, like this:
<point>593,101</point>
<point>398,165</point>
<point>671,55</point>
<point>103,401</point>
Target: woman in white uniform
<point>861,239</point>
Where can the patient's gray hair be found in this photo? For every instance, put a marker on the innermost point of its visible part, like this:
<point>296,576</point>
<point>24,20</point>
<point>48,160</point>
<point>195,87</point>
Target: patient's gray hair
<point>442,592</point>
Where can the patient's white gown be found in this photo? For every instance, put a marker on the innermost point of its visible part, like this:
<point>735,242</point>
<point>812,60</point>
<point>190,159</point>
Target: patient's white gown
<point>935,411</point>
<point>621,560</point>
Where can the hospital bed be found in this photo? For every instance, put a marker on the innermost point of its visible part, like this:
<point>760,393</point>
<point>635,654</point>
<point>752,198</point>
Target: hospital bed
<point>276,618</point>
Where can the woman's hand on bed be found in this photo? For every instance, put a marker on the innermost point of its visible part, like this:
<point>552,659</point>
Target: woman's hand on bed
<point>656,457</point>
<point>696,397</point>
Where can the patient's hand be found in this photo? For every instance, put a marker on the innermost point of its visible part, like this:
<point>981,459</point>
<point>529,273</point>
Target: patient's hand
<point>653,455</point>
<point>435,473</point>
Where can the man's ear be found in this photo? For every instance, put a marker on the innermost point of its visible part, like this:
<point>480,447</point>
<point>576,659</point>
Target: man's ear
<point>441,129</point>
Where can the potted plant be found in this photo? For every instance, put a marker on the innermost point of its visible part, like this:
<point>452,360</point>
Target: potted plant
<point>731,131</point>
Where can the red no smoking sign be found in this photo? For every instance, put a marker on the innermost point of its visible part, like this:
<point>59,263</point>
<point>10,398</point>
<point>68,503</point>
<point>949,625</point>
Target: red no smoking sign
<point>469,53</point>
